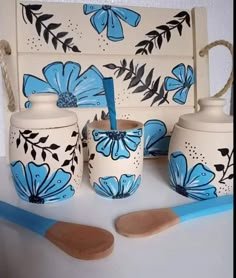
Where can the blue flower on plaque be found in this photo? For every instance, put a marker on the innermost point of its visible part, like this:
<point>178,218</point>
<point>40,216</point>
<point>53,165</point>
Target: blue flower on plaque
<point>156,143</point>
<point>117,144</point>
<point>73,89</point>
<point>193,183</point>
<point>182,83</point>
<point>105,16</point>
<point>35,184</point>
<point>113,188</point>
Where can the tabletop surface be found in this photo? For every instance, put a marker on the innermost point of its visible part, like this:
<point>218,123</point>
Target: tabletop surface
<point>201,247</point>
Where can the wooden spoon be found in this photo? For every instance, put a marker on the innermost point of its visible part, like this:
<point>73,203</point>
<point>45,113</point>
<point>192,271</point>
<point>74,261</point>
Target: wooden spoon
<point>79,241</point>
<point>148,222</point>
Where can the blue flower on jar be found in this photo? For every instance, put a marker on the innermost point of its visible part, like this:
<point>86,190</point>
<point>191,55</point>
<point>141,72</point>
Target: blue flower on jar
<point>117,144</point>
<point>73,89</point>
<point>182,83</point>
<point>195,182</point>
<point>35,184</point>
<point>109,16</point>
<point>156,143</point>
<point>111,187</point>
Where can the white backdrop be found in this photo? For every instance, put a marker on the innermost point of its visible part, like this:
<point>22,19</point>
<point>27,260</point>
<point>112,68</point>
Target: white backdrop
<point>220,26</point>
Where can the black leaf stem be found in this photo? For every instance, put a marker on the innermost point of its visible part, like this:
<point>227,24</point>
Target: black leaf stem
<point>35,15</point>
<point>34,144</point>
<point>223,178</point>
<point>160,34</point>
<point>156,93</point>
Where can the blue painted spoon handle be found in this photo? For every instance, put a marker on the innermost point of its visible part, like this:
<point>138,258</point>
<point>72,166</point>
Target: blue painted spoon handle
<point>33,222</point>
<point>202,208</point>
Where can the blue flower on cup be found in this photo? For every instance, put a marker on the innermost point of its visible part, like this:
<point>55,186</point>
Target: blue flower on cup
<point>73,89</point>
<point>155,141</point>
<point>193,183</point>
<point>34,183</point>
<point>182,83</point>
<point>118,144</point>
<point>113,188</point>
<point>109,16</point>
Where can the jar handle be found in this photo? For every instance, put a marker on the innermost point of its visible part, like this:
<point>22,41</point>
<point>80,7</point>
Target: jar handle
<point>205,50</point>
<point>5,49</point>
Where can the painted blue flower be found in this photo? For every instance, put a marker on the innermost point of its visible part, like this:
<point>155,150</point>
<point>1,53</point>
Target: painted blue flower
<point>34,183</point>
<point>73,89</point>
<point>109,16</point>
<point>155,141</point>
<point>117,143</point>
<point>193,183</point>
<point>184,80</point>
<point>110,187</point>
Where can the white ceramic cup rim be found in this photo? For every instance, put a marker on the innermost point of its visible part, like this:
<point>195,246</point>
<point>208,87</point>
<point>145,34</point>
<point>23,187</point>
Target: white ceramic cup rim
<point>122,125</point>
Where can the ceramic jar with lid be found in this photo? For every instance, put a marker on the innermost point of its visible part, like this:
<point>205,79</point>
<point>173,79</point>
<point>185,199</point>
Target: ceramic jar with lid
<point>46,157</point>
<point>201,152</point>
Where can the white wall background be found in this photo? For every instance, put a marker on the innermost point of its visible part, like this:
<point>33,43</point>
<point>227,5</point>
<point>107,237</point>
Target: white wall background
<point>220,26</point>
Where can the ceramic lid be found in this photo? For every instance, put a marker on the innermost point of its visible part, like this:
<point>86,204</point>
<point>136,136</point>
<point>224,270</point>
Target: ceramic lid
<point>43,113</point>
<point>210,117</point>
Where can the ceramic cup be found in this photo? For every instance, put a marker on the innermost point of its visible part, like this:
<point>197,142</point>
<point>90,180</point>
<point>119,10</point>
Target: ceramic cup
<point>115,157</point>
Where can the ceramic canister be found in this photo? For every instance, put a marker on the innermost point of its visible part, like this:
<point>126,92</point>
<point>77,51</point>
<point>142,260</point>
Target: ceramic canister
<point>45,151</point>
<point>115,158</point>
<point>201,152</point>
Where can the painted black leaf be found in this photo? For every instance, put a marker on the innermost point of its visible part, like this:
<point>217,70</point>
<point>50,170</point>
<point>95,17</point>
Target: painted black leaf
<point>168,34</point>
<point>65,163</point>
<point>75,49</point>
<point>76,159</point>
<point>74,134</point>
<point>68,148</point>
<point>38,26</point>
<point>128,75</point>
<point>17,142</point>
<point>61,34</point>
<point>153,33</point>
<point>35,7</point>
<point>84,131</point>
<point>29,14</point>
<point>43,139</point>
<point>45,17</point>
<point>224,151</point>
<point>120,72</point>
<point>124,63</point>
<point>55,156</point>
<point>92,155</point>
<point>46,35</point>
<point>25,147</point>
<point>44,155</point>
<point>148,79</point>
<point>173,22</point>
<point>33,135</point>
<point>54,147</point>
<point>156,84</point>
<point>53,26</point>
<point>135,80</point>
<point>142,51</point>
<point>26,132</point>
<point>140,89</point>
<point>162,101</point>
<point>54,42</point>
<point>72,168</point>
<point>64,47</point>
<point>159,41</point>
<point>156,98</point>
<point>181,14</point>
<point>231,176</point>
<point>163,27</point>
<point>219,167</point>
<point>68,41</point>
<point>142,43</point>
<point>180,28</point>
<point>90,166</point>
<point>33,154</point>
<point>187,19</point>
<point>148,95</point>
<point>131,65</point>
<point>79,148</point>
<point>150,47</point>
<point>110,66</point>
